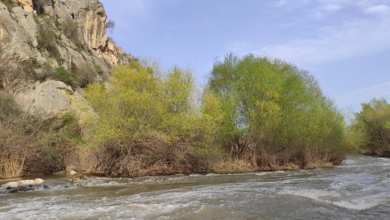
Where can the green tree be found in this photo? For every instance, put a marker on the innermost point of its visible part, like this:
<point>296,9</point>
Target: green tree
<point>370,130</point>
<point>278,112</point>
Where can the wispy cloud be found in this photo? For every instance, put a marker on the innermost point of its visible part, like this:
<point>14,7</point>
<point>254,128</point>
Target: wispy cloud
<point>280,3</point>
<point>354,99</point>
<point>331,7</point>
<point>385,86</point>
<point>336,43</point>
<point>377,9</point>
<point>344,38</point>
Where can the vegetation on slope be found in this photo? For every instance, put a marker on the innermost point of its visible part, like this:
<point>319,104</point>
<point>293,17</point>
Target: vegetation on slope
<point>30,145</point>
<point>254,114</point>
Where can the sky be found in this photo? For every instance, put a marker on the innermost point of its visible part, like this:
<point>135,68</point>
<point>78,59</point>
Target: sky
<point>345,44</point>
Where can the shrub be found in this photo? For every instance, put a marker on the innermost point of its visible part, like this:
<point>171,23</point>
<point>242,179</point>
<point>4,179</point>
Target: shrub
<point>71,30</point>
<point>98,69</point>
<point>85,75</point>
<point>63,75</point>
<point>12,71</point>
<point>110,25</point>
<point>9,4</point>
<point>150,117</point>
<point>31,145</point>
<point>47,39</point>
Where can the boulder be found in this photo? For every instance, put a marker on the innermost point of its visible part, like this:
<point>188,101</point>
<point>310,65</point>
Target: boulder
<point>78,179</point>
<point>38,181</point>
<point>13,190</point>
<point>26,182</point>
<point>10,184</point>
<point>47,98</point>
<point>21,188</point>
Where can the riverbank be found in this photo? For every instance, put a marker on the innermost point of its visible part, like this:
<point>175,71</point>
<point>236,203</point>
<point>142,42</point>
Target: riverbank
<point>73,179</point>
<point>358,189</point>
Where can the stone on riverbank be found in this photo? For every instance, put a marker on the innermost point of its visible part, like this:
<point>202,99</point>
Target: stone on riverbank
<point>38,181</point>
<point>23,182</point>
<point>10,184</point>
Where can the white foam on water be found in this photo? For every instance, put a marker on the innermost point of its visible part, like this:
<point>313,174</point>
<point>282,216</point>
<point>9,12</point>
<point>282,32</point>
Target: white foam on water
<point>320,195</point>
<point>360,204</point>
<point>96,183</point>
<point>196,175</point>
<point>262,173</point>
<point>213,174</point>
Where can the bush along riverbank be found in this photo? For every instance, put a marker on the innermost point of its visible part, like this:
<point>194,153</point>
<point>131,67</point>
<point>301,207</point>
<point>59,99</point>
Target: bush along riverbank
<point>255,113</point>
<point>369,129</point>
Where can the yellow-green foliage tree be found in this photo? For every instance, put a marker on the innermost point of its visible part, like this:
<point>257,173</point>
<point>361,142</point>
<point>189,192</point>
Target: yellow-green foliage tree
<point>276,113</point>
<point>370,131</point>
<point>148,121</point>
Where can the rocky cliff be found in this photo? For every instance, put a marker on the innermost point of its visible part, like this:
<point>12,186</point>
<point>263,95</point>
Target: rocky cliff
<point>51,45</point>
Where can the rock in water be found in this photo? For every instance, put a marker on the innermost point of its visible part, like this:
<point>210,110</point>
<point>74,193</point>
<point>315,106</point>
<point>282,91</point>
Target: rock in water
<point>38,181</point>
<point>25,182</point>
<point>22,188</point>
<point>10,184</point>
<point>13,190</point>
<point>77,179</point>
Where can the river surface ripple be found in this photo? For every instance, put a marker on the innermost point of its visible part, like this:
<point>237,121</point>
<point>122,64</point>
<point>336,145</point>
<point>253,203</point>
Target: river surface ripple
<point>359,189</point>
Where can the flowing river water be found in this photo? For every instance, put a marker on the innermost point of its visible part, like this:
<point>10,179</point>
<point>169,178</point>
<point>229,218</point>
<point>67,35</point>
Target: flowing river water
<point>358,189</point>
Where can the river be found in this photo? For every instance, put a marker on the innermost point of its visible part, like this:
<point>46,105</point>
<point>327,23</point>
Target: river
<point>358,189</point>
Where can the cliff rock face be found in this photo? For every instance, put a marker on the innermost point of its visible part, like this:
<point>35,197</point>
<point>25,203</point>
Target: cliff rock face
<point>47,98</point>
<point>93,23</point>
<point>26,5</point>
<point>45,35</point>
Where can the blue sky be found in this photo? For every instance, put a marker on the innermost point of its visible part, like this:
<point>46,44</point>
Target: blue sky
<point>344,43</point>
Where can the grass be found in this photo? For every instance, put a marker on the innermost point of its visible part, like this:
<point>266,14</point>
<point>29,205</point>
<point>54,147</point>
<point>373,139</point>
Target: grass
<point>98,69</point>
<point>9,4</point>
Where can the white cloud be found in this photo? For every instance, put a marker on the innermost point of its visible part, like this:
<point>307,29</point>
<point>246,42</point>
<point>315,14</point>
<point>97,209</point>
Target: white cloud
<point>280,3</point>
<point>377,9</point>
<point>331,7</point>
<point>330,37</point>
<point>332,43</point>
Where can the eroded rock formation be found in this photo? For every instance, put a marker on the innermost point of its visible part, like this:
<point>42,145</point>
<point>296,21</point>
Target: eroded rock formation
<point>27,5</point>
<point>47,34</point>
